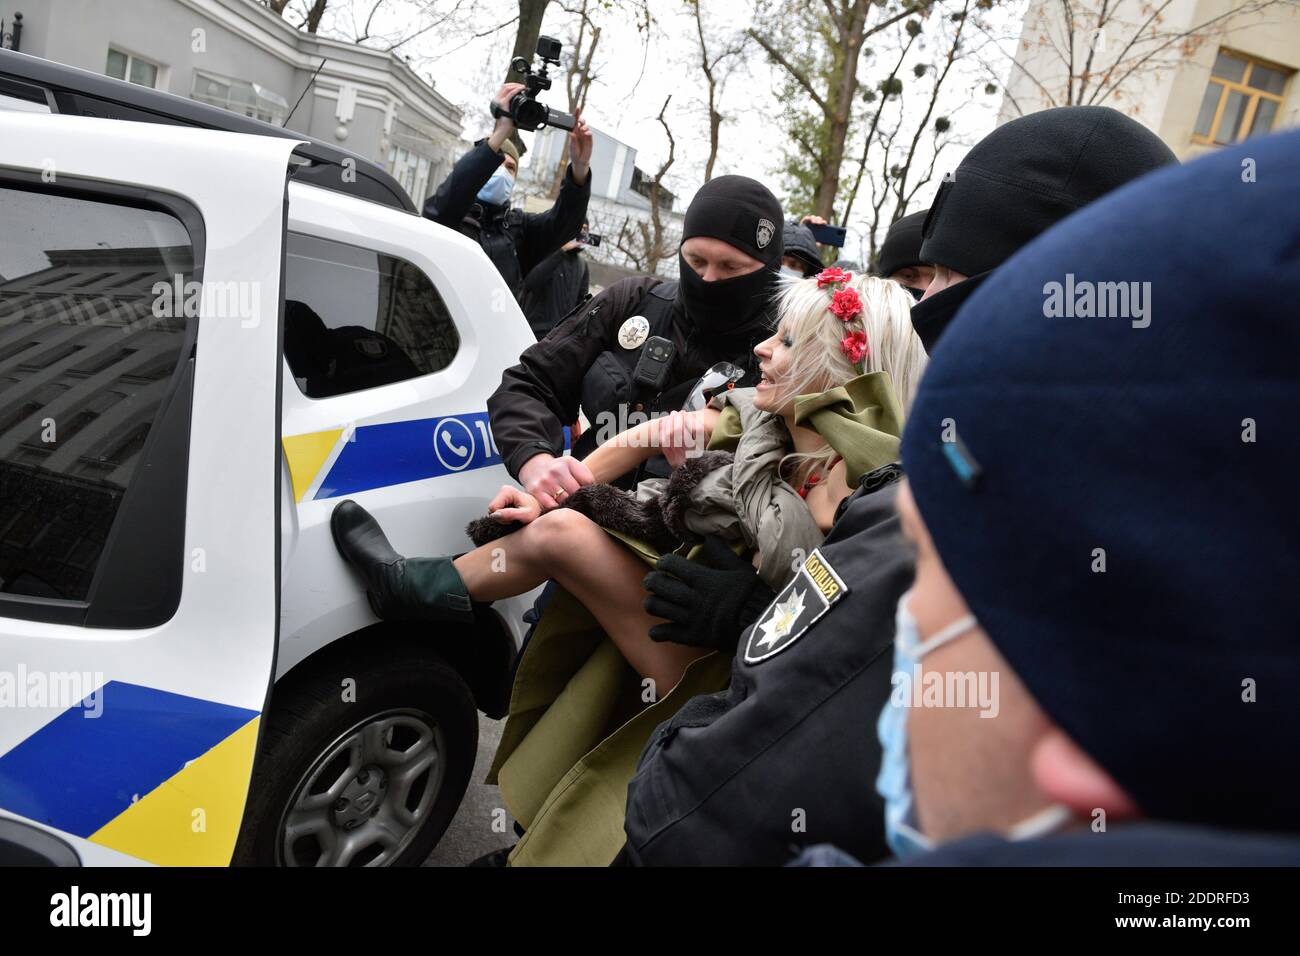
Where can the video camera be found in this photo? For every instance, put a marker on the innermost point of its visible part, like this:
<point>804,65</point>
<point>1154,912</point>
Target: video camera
<point>524,109</point>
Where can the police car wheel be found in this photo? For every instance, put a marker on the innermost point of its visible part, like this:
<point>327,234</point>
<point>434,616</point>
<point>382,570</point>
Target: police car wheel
<point>373,781</point>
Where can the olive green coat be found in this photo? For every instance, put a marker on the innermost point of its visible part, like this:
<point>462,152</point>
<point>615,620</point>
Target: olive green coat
<point>579,715</point>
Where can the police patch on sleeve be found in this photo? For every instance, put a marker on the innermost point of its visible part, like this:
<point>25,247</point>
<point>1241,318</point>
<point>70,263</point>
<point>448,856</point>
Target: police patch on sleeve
<point>809,595</point>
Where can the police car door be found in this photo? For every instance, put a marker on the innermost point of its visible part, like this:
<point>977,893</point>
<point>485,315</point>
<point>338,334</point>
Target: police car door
<point>140,270</point>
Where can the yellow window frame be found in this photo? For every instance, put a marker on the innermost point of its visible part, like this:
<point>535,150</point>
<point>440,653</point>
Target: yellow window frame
<point>1253,96</point>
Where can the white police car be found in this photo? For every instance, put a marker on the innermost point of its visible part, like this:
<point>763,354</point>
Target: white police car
<point>207,339</point>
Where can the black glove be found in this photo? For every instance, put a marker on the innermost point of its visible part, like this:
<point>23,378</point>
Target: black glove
<point>707,602</point>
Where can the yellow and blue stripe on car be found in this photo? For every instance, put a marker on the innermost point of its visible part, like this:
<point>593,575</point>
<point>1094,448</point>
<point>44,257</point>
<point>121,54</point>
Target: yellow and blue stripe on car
<point>156,775</point>
<point>378,456</point>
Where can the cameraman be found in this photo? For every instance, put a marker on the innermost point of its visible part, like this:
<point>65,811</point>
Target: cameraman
<point>556,286</point>
<point>475,198</point>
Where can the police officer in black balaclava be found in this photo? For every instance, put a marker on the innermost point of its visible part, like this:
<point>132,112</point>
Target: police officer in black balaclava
<point>728,261</point>
<point>1016,183</point>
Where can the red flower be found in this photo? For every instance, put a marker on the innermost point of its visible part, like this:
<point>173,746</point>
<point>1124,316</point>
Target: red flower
<point>854,345</point>
<point>831,276</point>
<point>846,305</point>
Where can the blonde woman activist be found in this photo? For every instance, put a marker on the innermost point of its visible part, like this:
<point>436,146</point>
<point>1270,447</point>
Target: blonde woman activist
<point>763,468</point>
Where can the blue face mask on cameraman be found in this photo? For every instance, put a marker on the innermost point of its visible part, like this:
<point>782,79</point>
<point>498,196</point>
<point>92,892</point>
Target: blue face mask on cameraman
<point>894,782</point>
<point>496,191</point>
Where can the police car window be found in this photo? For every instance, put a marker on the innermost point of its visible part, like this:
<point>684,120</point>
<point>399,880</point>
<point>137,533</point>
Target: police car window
<point>355,318</point>
<point>86,355</point>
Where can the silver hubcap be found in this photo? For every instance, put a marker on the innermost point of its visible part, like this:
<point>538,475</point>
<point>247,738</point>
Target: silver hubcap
<point>364,799</point>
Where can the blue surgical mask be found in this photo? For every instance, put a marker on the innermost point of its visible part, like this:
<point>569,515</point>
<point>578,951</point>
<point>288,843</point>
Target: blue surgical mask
<point>496,191</point>
<point>791,273</point>
<point>894,782</point>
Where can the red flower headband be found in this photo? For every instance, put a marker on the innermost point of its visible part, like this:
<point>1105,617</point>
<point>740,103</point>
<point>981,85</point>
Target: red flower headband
<point>846,306</point>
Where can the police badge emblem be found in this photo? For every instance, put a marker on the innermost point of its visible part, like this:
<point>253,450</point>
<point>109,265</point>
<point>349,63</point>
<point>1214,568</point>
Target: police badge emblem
<point>809,595</point>
<point>766,230</point>
<point>634,332</point>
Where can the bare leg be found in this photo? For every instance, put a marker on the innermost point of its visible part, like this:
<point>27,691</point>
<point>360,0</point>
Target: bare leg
<point>506,567</point>
<point>573,550</point>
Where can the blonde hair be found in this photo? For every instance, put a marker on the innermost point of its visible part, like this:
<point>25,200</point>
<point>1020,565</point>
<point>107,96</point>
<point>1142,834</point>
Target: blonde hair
<point>817,363</point>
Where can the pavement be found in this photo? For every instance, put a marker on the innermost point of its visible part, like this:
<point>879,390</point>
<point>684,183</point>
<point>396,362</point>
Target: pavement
<point>482,824</point>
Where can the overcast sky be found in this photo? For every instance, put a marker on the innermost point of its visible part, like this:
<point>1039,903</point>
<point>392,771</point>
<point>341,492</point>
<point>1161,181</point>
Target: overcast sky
<point>635,76</point>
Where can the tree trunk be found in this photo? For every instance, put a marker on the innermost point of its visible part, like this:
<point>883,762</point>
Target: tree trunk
<point>314,14</point>
<point>531,13</point>
<point>840,101</point>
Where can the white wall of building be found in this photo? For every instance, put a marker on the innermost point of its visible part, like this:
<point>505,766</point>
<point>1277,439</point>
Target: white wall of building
<point>1167,100</point>
<point>368,101</point>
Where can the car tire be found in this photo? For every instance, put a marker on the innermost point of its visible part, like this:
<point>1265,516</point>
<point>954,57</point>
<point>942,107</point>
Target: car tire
<point>361,753</point>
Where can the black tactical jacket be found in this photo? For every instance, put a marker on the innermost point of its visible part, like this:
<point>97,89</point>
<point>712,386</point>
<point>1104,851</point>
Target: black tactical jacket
<point>582,364</point>
<point>514,240</point>
<point>787,756</point>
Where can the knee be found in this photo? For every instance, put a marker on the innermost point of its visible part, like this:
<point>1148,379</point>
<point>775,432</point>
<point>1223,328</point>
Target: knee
<point>560,533</point>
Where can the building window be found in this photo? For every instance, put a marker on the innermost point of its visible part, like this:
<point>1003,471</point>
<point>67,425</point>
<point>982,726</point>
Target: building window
<point>239,96</point>
<point>411,170</point>
<point>355,318</point>
<point>85,367</point>
<point>124,66</point>
<point>408,160</point>
<point>1242,99</point>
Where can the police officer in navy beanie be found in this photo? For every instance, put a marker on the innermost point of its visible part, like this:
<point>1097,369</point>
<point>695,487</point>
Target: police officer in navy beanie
<point>717,312</point>
<point>1102,468</point>
<point>1016,183</point>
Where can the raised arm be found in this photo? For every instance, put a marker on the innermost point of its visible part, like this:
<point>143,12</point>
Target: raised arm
<point>545,232</point>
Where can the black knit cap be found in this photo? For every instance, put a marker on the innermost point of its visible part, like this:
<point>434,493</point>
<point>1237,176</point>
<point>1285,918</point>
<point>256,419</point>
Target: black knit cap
<point>739,211</point>
<point>1160,440</point>
<point>1030,173</point>
<point>902,245</point>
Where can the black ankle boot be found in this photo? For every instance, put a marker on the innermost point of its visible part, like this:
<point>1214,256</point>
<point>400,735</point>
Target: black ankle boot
<point>399,589</point>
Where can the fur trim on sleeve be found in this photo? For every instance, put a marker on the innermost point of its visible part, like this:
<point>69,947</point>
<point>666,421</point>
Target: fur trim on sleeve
<point>487,528</point>
<point>660,522</point>
<point>676,497</point>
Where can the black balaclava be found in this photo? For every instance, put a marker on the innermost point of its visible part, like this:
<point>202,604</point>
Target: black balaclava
<point>1019,181</point>
<point>742,212</point>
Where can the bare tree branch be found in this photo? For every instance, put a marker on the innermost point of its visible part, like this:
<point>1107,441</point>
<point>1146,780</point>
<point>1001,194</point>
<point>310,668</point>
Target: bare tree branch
<point>798,75</point>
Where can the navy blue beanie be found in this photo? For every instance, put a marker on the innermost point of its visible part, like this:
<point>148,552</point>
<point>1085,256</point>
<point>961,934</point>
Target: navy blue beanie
<point>1171,452</point>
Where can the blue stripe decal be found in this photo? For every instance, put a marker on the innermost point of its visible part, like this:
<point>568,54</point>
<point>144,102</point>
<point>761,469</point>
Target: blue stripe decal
<point>79,771</point>
<point>377,456</point>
